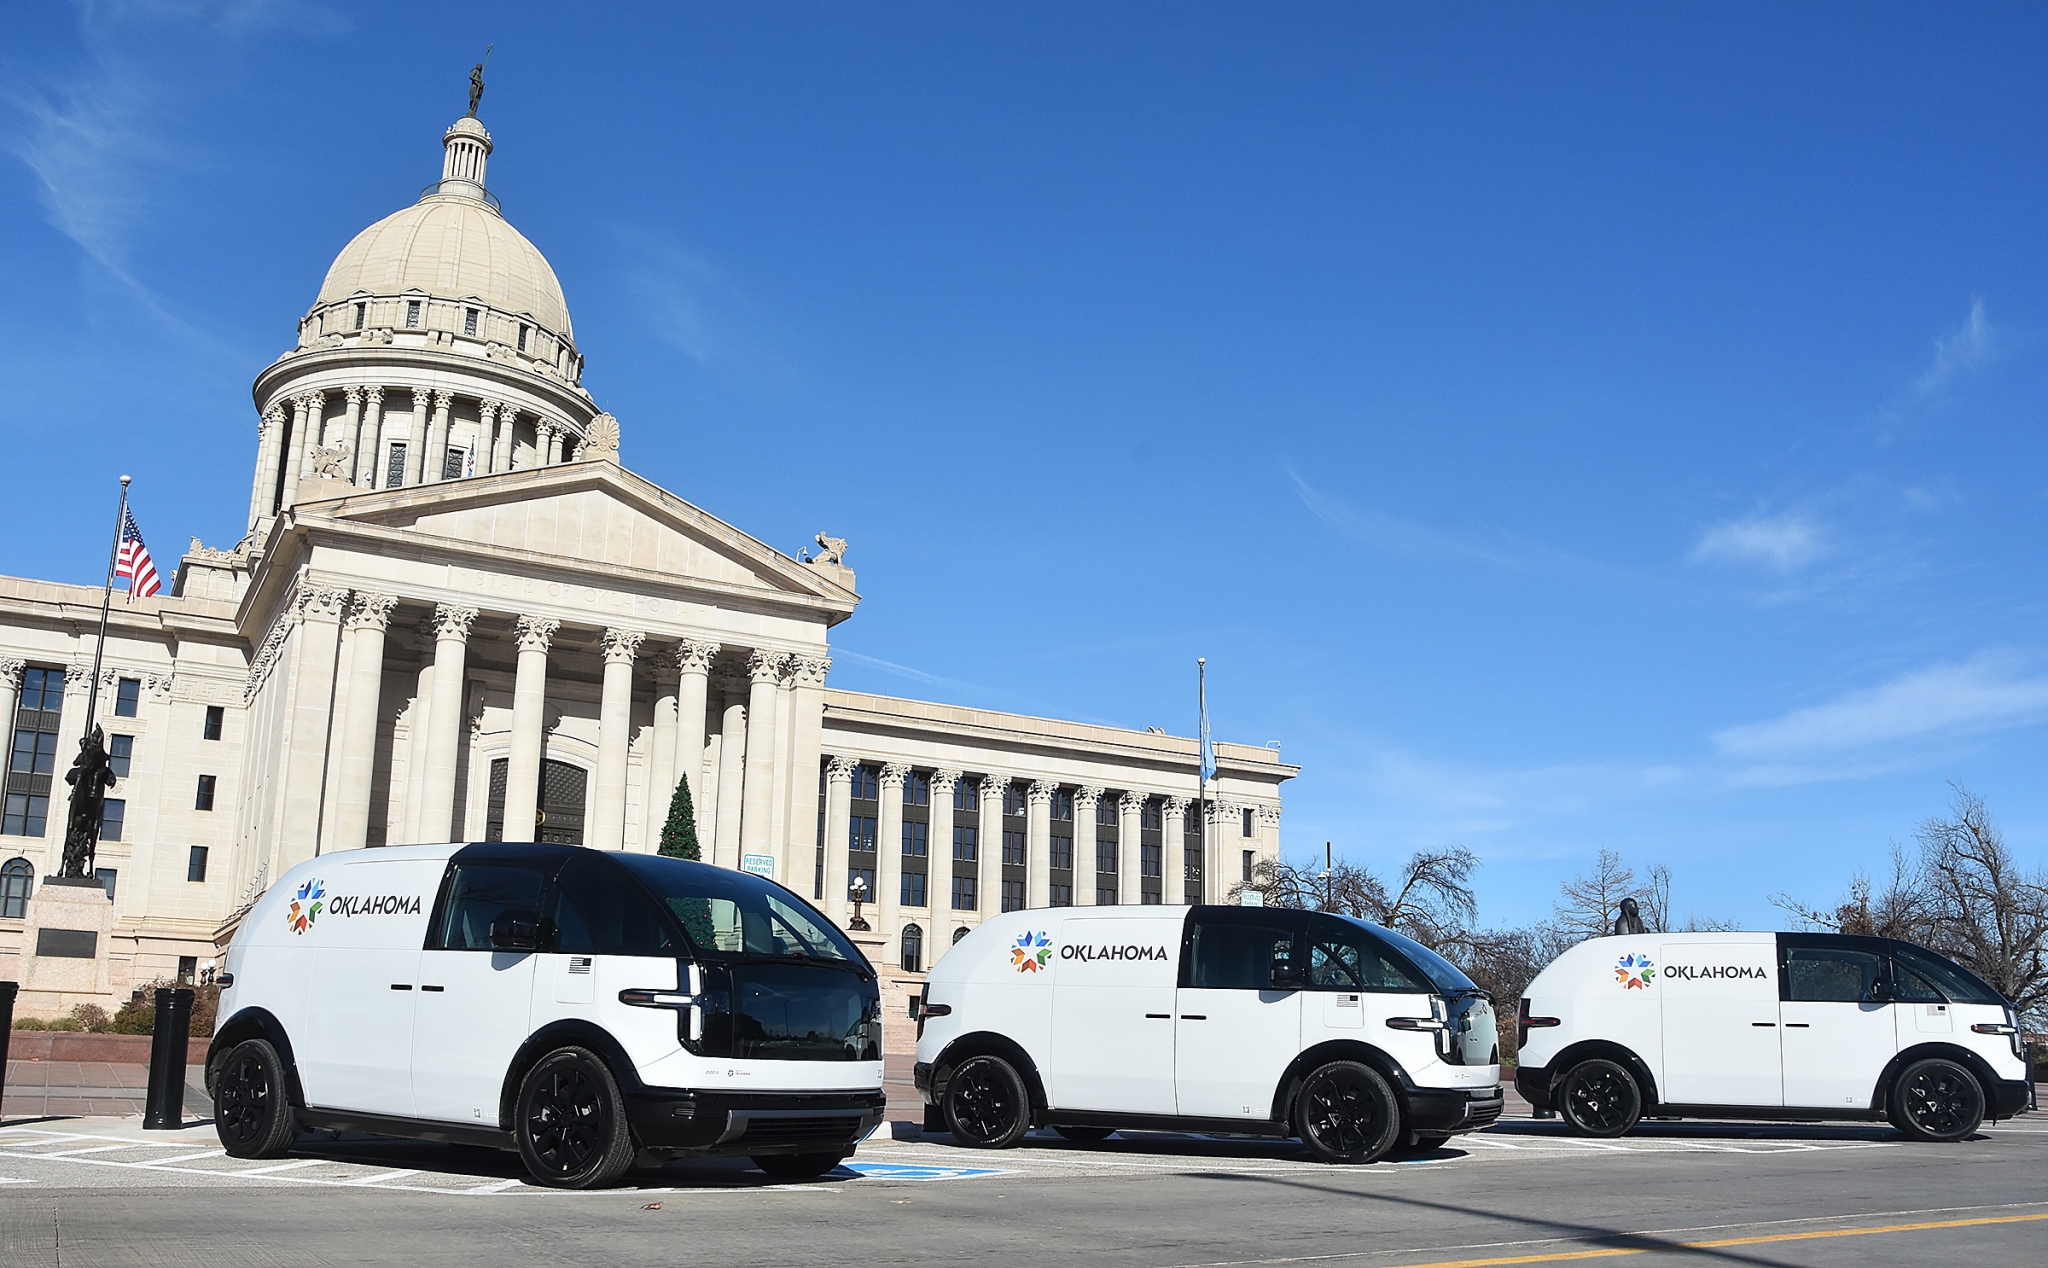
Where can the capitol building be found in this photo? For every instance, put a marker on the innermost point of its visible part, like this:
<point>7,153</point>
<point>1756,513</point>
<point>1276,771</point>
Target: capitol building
<point>457,615</point>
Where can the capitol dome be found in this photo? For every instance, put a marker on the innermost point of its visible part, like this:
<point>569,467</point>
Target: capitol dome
<point>453,244</point>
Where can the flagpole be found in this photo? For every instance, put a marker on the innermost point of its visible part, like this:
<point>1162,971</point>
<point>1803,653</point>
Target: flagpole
<point>92,691</point>
<point>1202,765</point>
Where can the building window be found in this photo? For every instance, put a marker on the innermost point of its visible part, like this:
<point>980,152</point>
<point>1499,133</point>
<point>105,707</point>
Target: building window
<point>211,731</point>
<point>362,315</point>
<point>1248,855</point>
<point>1013,850</point>
<point>913,889</point>
<point>963,895</point>
<point>1105,813</point>
<point>1149,816</point>
<point>17,882</point>
<point>860,834</point>
<point>1062,895</point>
<point>1150,859</point>
<point>412,314</point>
<point>965,795</point>
<point>1013,895</point>
<point>106,876</point>
<point>195,865</point>
<point>913,949</point>
<point>1014,800</point>
<point>112,812</point>
<point>1063,854</point>
<point>394,468</point>
<point>1105,893</point>
<point>958,934</point>
<point>1063,805</point>
<point>914,840</point>
<point>469,322</point>
<point>963,844</point>
<point>1247,821</point>
<point>188,969</point>
<point>917,789</point>
<point>522,338</point>
<point>127,695</point>
<point>204,801</point>
<point>453,462</point>
<point>1150,898</point>
<point>120,754</point>
<point>1191,865</point>
<point>1105,856</point>
<point>35,752</point>
<point>865,786</point>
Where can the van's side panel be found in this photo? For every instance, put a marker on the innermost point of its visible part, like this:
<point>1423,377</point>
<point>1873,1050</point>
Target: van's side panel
<point>356,1048</point>
<point>1721,1033</point>
<point>1113,980</point>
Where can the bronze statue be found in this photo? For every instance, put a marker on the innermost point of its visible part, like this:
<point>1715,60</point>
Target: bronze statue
<point>476,87</point>
<point>1630,920</point>
<point>90,777</point>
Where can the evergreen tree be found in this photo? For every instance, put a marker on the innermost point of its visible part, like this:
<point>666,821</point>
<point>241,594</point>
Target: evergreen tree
<point>679,834</point>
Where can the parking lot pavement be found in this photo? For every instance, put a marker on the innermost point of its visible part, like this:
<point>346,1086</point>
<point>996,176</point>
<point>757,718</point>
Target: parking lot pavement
<point>102,1191</point>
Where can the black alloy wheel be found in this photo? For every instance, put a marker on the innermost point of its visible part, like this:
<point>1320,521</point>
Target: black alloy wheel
<point>1599,1098</point>
<point>251,1113</point>
<point>796,1166</point>
<point>987,1104</point>
<point>1086,1135</point>
<point>570,1122</point>
<point>1937,1100</point>
<point>1347,1113</point>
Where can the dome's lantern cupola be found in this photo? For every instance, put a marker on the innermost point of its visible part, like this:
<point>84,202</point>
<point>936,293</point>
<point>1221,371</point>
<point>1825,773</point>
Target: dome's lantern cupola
<point>467,146</point>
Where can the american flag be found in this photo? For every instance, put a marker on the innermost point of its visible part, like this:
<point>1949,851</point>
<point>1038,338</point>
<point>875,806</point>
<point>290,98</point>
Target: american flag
<point>133,561</point>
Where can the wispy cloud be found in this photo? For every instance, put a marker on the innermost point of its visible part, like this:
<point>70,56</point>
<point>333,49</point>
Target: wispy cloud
<point>1969,347</point>
<point>910,672</point>
<point>1787,541</point>
<point>1988,692</point>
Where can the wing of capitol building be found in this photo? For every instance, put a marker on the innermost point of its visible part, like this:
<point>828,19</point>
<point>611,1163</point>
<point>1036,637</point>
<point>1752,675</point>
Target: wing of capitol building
<point>457,616</point>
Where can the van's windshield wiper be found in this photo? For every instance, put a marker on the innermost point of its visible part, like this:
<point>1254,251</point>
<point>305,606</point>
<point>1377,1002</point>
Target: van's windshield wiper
<point>792,957</point>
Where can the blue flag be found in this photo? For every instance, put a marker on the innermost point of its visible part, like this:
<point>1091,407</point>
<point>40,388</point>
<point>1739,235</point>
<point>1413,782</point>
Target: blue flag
<point>1208,746</point>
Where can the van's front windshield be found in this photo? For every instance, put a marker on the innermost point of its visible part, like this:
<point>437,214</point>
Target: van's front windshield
<point>733,916</point>
<point>1442,974</point>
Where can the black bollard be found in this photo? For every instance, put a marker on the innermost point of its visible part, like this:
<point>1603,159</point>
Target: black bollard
<point>7,990</point>
<point>164,1111</point>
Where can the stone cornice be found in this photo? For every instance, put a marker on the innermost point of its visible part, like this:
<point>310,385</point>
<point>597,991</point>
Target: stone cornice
<point>427,368</point>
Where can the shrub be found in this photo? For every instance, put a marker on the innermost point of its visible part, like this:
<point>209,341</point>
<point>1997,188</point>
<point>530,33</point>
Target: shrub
<point>91,1018</point>
<point>138,1015</point>
<point>30,1023</point>
<point>68,1024</point>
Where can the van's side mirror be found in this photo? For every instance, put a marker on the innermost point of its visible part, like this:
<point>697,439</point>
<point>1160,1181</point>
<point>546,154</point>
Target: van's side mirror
<point>1285,975</point>
<point>516,931</point>
<point>1881,991</point>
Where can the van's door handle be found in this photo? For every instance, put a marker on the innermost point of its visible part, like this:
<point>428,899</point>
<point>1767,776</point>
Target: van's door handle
<point>433,988</point>
<point>401,986</point>
<point>1194,1016</point>
<point>1159,1016</point>
<point>1764,1023</point>
<point>1798,1025</point>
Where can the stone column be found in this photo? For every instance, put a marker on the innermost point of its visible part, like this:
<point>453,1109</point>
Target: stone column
<point>838,835</point>
<point>1173,868</point>
<point>416,732</point>
<point>989,872</point>
<point>416,448</point>
<point>1130,850</point>
<point>555,454</point>
<point>445,726</point>
<point>269,437</point>
<point>348,799</point>
<point>351,427</point>
<point>1086,801</point>
<point>757,810</point>
<point>1220,865</point>
<point>529,721</point>
<point>437,438</point>
<point>693,665</point>
<point>305,759</point>
<point>889,853</point>
<point>614,738</point>
<point>802,745</point>
<point>661,756</point>
<point>543,435</point>
<point>312,435</point>
<point>732,757</point>
<point>501,451</point>
<point>11,671</point>
<point>939,867</point>
<point>372,452</point>
<point>295,450</point>
<point>1038,846</point>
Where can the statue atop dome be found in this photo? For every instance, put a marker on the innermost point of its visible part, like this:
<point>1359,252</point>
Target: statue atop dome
<point>476,81</point>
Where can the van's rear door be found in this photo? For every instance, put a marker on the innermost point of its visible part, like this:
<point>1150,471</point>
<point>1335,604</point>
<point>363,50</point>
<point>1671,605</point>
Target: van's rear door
<point>1235,1033</point>
<point>1721,1033</point>
<point>355,1052</point>
<point>1112,1013</point>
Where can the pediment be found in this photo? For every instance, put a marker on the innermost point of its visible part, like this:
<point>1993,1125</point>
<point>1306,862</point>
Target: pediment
<point>584,515</point>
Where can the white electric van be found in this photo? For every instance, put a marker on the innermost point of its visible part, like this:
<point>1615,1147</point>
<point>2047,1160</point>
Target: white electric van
<point>1762,1025</point>
<point>1246,1020</point>
<point>583,1007</point>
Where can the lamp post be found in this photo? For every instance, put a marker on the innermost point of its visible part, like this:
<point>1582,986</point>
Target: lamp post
<point>857,892</point>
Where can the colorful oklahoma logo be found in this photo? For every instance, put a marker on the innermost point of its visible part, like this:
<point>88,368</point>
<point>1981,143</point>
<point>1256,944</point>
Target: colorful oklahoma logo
<point>1634,972</point>
<point>1031,952</point>
<point>306,906</point>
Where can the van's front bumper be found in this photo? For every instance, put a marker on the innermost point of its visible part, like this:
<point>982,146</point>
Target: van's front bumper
<point>1447,1111</point>
<point>2009,1098</point>
<point>752,1123</point>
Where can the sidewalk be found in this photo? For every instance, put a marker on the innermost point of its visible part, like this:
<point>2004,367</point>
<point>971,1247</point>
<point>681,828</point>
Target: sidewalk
<point>54,1072</point>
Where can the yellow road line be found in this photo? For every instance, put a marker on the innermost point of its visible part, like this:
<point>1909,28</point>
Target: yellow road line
<point>1611,1252</point>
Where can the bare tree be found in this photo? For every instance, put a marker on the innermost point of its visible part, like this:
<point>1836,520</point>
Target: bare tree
<point>1897,910</point>
<point>1586,904</point>
<point>1982,909</point>
<point>1432,899</point>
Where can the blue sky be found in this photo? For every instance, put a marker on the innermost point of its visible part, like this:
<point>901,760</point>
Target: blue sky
<point>1561,427</point>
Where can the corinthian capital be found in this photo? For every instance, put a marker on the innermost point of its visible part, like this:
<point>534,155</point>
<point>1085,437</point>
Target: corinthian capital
<point>370,611</point>
<point>488,410</point>
<point>838,769</point>
<point>694,655</point>
<point>621,646</point>
<point>272,420</point>
<point>809,671</point>
<point>442,400</point>
<point>353,397</point>
<point>1087,797</point>
<point>11,671</point>
<point>309,401</point>
<point>1174,807</point>
<point>944,782</point>
<point>535,633</point>
<point>319,603</point>
<point>1132,802</point>
<point>451,621</point>
<point>1042,791</point>
<point>766,666</point>
<point>374,394</point>
<point>893,775</point>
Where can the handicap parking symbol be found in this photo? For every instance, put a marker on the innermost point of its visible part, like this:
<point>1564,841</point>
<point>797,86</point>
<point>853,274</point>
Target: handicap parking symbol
<point>897,1171</point>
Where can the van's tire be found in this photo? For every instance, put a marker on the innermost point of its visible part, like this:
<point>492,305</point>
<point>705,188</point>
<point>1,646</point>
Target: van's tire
<point>987,1105</point>
<point>1086,1135</point>
<point>1599,1098</point>
<point>797,1166</point>
<point>1347,1113</point>
<point>1937,1100</point>
<point>252,1113</point>
<point>569,1122</point>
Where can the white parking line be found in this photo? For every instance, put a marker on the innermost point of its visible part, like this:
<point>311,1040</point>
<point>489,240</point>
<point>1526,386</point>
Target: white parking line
<point>96,1149</point>
<point>275,1167</point>
<point>204,1153</point>
<point>373,1179</point>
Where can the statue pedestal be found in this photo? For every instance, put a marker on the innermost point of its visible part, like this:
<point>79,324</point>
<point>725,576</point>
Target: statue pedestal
<point>64,948</point>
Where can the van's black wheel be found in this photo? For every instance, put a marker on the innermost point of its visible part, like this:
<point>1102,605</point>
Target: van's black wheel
<point>1599,1098</point>
<point>1086,1135</point>
<point>987,1104</point>
<point>1937,1100</point>
<point>252,1115</point>
<point>1347,1113</point>
<point>797,1166</point>
<point>570,1122</point>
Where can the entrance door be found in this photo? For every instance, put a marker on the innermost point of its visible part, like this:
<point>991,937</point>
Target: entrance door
<point>559,820</point>
<point>474,1002</point>
<point>1234,1032</point>
<point>1838,1034</point>
<point>1112,1014</point>
<point>1721,1037</point>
